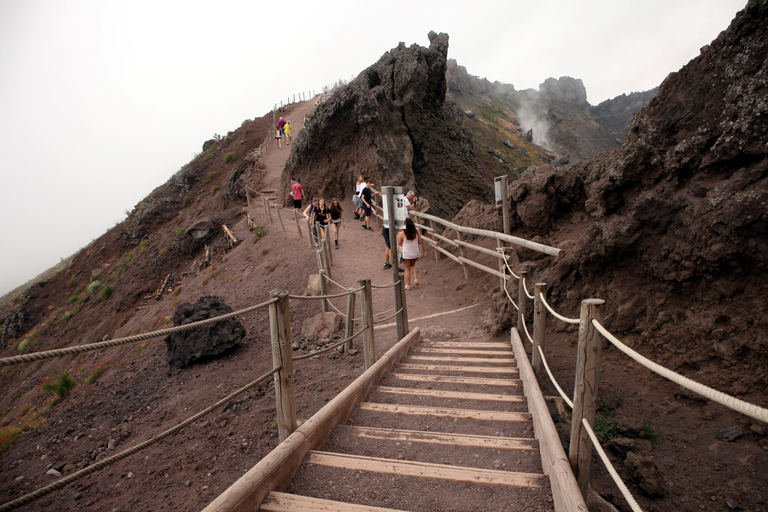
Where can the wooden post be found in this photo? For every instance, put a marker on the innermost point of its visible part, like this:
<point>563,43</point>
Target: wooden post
<point>319,260</point>
<point>282,356</point>
<point>539,328</point>
<point>388,210</point>
<point>434,248</point>
<point>323,290</point>
<point>279,217</point>
<point>585,390</point>
<point>502,267</point>
<point>309,235</point>
<point>266,208</point>
<point>463,252</point>
<point>326,256</point>
<point>298,225</point>
<point>328,251</point>
<point>349,329</point>
<point>505,203</point>
<point>366,307</point>
<point>522,300</point>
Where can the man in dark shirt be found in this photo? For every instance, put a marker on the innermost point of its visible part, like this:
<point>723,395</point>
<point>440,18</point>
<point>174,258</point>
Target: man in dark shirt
<point>365,204</point>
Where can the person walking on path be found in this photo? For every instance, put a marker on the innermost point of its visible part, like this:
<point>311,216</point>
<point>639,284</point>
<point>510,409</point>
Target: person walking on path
<point>337,220</point>
<point>359,186</point>
<point>322,216</point>
<point>278,137</point>
<point>410,242</point>
<point>365,198</point>
<point>287,129</point>
<point>309,213</point>
<point>297,191</point>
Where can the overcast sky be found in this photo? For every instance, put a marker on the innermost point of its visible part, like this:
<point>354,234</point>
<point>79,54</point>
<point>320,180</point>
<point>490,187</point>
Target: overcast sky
<point>102,101</point>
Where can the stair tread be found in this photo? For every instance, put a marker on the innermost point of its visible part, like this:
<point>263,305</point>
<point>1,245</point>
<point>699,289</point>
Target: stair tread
<point>285,502</point>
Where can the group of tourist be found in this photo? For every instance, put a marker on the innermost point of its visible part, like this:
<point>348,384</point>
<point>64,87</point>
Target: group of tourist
<point>323,216</point>
<point>283,129</point>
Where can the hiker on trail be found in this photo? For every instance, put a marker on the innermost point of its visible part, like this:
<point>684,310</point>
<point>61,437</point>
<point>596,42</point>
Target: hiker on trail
<point>411,244</point>
<point>309,213</point>
<point>287,129</point>
<point>297,192</point>
<point>278,137</point>
<point>337,220</point>
<point>306,120</point>
<point>365,197</point>
<point>388,259</point>
<point>359,186</point>
<point>416,204</point>
<point>281,125</point>
<point>322,216</point>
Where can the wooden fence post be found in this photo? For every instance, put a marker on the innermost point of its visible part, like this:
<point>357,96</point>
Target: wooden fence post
<point>388,211</point>
<point>279,217</point>
<point>319,260</point>
<point>539,328</point>
<point>349,329</point>
<point>502,267</point>
<point>463,253</point>
<point>434,247</point>
<point>282,356</point>
<point>298,225</point>
<point>266,208</point>
<point>366,307</point>
<point>522,300</point>
<point>585,390</point>
<point>310,238</point>
<point>323,290</point>
<point>328,251</point>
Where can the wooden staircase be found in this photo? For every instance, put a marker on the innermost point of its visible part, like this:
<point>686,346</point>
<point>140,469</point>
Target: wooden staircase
<point>447,429</point>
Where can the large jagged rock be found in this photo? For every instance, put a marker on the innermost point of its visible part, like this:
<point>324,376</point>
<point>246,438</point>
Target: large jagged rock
<point>187,347</point>
<point>676,235</point>
<point>391,124</point>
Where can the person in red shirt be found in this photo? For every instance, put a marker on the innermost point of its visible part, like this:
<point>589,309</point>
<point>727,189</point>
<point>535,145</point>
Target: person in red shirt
<point>297,191</point>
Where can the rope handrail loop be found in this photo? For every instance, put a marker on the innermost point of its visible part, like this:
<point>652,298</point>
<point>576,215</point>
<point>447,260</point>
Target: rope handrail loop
<point>616,478</point>
<point>525,287</point>
<point>60,484</point>
<point>527,334</point>
<point>328,349</point>
<point>35,356</point>
<point>553,380</point>
<point>751,410</point>
<point>385,312</point>
<point>511,299</point>
<point>390,285</point>
<point>393,315</point>
<point>337,284</point>
<point>554,313</point>
<point>320,297</point>
<point>506,261</point>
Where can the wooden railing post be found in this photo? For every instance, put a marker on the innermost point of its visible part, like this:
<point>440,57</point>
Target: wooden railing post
<point>266,208</point>
<point>585,390</point>
<point>309,234</point>
<point>434,247</point>
<point>463,253</point>
<point>298,225</point>
<point>388,211</point>
<point>349,329</point>
<point>279,217</point>
<point>502,267</point>
<point>522,300</point>
<point>328,251</point>
<point>282,356</point>
<point>539,328</point>
<point>366,306</point>
<point>323,290</point>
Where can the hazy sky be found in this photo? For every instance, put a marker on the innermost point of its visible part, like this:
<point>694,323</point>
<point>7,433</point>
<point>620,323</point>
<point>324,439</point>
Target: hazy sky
<point>102,101</point>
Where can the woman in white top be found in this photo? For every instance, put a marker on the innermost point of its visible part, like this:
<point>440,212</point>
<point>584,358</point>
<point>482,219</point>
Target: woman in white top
<point>359,187</point>
<point>410,242</point>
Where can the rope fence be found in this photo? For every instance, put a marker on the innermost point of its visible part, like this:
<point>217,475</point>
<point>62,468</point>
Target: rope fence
<point>331,347</point>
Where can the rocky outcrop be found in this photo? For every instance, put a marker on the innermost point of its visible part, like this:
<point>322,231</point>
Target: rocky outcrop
<point>187,347</point>
<point>678,217</point>
<point>614,115</point>
<point>392,124</point>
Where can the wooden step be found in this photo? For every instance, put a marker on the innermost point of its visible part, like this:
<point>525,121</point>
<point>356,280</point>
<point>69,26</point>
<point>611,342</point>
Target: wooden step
<point>490,397</point>
<point>450,379</point>
<point>466,344</point>
<point>467,440</point>
<point>460,369</point>
<point>284,502</point>
<point>445,412</point>
<point>461,352</point>
<point>427,470</point>
<point>447,359</point>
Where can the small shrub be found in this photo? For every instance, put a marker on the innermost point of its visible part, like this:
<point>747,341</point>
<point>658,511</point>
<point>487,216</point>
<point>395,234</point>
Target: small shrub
<point>96,373</point>
<point>23,344</point>
<point>649,433</point>
<point>94,286</point>
<point>264,252</point>
<point>9,436</point>
<point>73,298</point>
<point>214,190</point>
<point>258,233</point>
<point>106,292</point>
<point>181,231</point>
<point>230,157</point>
<point>66,316</point>
<point>187,201</point>
<point>61,386</point>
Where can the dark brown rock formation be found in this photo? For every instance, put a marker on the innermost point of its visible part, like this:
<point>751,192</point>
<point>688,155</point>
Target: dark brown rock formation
<point>392,125</point>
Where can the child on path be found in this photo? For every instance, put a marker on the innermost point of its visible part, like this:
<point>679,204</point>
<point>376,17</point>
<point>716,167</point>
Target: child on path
<point>411,244</point>
<point>337,220</point>
<point>278,137</point>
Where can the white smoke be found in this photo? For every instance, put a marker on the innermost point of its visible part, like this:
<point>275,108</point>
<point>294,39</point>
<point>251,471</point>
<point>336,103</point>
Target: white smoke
<point>532,117</point>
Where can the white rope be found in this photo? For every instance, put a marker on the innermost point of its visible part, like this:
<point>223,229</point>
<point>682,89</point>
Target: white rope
<point>510,297</point>
<point>741,406</point>
<point>552,379</point>
<point>554,313</point>
<point>525,289</point>
<point>506,262</point>
<point>616,478</point>
<point>337,309</point>
<point>337,284</point>
<point>527,334</point>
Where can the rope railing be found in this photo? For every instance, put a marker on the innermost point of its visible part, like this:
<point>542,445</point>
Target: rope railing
<point>336,283</point>
<point>381,286</point>
<point>60,484</point>
<point>616,478</point>
<point>527,334</point>
<point>556,315</point>
<point>331,347</point>
<point>393,315</point>
<point>554,381</point>
<point>751,410</point>
<point>321,297</point>
<point>525,289</point>
<point>36,356</point>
